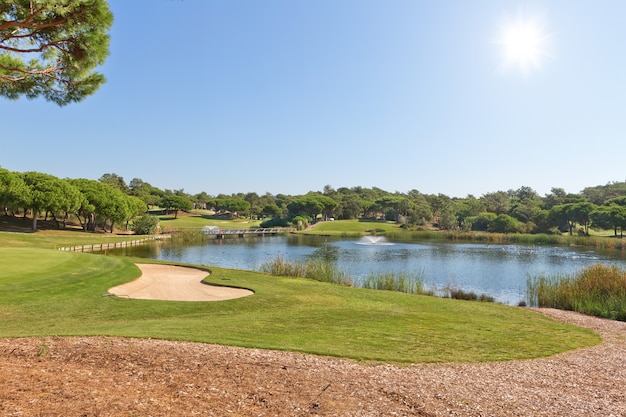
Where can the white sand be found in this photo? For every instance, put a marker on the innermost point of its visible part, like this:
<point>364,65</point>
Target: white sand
<point>175,283</point>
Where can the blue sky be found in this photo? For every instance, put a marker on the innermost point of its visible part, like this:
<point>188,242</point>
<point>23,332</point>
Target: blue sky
<point>289,96</point>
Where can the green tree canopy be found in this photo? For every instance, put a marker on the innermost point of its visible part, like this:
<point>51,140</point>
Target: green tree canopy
<point>271,210</point>
<point>610,217</point>
<point>310,205</point>
<point>231,204</point>
<point>581,213</point>
<point>51,48</point>
<point>106,202</point>
<point>504,223</point>
<point>176,202</point>
<point>115,181</point>
<point>498,202</point>
<point>12,190</point>
<point>50,194</point>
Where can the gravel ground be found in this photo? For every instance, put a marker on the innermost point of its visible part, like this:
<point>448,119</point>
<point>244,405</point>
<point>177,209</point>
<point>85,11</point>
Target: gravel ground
<point>99,376</point>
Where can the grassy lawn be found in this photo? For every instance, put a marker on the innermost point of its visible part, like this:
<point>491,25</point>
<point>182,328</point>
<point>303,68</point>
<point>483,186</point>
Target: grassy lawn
<point>354,227</point>
<point>200,218</point>
<point>44,292</point>
<point>53,239</point>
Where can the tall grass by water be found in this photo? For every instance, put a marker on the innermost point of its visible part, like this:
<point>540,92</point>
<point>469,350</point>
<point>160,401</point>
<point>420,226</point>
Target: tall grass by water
<point>599,290</point>
<point>399,282</point>
<point>323,270</point>
<point>317,269</point>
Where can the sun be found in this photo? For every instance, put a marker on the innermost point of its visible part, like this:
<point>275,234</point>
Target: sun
<point>524,43</point>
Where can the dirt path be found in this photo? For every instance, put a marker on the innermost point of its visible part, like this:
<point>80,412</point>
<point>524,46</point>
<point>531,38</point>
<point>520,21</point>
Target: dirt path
<point>98,376</point>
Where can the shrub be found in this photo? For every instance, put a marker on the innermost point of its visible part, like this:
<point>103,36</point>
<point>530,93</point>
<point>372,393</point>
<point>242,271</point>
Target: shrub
<point>481,222</point>
<point>505,224</point>
<point>275,222</point>
<point>300,222</point>
<point>146,225</point>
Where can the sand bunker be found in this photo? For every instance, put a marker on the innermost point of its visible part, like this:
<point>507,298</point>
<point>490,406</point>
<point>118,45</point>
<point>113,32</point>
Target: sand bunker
<point>175,283</point>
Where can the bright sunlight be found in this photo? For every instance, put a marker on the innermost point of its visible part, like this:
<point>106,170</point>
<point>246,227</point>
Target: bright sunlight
<point>524,44</point>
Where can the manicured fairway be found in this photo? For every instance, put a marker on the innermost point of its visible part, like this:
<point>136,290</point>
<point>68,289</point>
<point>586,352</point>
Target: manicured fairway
<point>354,228</point>
<point>45,292</point>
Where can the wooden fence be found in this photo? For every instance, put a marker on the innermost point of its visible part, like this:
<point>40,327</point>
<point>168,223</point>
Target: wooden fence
<point>96,247</point>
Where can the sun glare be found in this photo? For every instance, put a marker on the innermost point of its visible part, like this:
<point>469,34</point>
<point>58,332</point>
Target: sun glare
<point>524,44</point>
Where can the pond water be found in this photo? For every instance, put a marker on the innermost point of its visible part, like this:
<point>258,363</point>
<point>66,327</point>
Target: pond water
<point>500,271</point>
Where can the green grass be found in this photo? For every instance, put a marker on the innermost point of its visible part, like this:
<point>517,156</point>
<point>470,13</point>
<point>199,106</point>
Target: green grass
<point>200,218</point>
<point>44,292</point>
<point>53,239</point>
<point>353,228</point>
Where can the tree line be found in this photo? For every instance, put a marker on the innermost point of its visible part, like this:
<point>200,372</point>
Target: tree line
<point>110,201</point>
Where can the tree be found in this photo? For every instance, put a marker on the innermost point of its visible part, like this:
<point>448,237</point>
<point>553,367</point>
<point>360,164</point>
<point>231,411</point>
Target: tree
<point>524,210</point>
<point>51,48</point>
<point>311,205</point>
<point>560,216</point>
<point>350,206</point>
<point>504,224</point>
<point>255,203</point>
<point>394,206</point>
<point>525,204</point>
<point>581,213</point>
<point>97,196</point>
<point>201,200</point>
<point>70,198</point>
<point>482,222</point>
<point>468,207</point>
<point>557,196</point>
<point>176,202</point>
<point>524,193</point>
<point>140,188</point>
<point>498,202</point>
<point>136,207</point>
<point>271,210</point>
<point>610,217</point>
<point>12,190</point>
<point>115,181</point>
<point>447,219</point>
<point>230,204</point>
<point>103,201</point>
<point>49,194</point>
<point>601,193</point>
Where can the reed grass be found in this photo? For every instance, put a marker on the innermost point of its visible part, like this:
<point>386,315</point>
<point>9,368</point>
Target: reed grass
<point>598,290</point>
<point>399,282</point>
<point>188,236</point>
<point>324,270</point>
<point>459,294</point>
<point>317,269</point>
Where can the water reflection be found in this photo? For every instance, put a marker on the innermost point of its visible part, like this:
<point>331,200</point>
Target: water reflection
<point>500,271</point>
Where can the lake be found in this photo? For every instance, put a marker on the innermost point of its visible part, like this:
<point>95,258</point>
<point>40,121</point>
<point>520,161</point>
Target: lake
<point>500,271</point>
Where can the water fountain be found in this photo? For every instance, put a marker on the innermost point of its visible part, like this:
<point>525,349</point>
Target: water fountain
<point>371,240</point>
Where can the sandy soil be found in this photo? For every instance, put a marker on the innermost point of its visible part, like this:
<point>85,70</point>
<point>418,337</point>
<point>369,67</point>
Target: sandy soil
<point>175,283</point>
<point>106,377</point>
